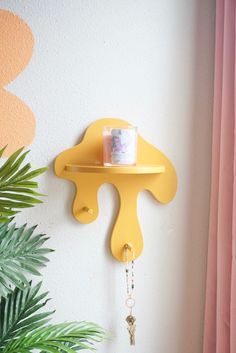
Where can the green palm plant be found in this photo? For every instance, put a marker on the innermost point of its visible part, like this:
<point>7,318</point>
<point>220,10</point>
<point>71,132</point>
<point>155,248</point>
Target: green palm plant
<point>21,253</point>
<point>24,327</point>
<point>16,185</point>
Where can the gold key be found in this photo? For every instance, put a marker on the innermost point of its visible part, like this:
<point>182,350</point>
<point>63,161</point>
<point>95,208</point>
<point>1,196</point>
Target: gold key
<point>131,328</point>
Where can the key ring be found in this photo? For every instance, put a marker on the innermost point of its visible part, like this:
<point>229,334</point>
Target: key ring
<point>130,303</point>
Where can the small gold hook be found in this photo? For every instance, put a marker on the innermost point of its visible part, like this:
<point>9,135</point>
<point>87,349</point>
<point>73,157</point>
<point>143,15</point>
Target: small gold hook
<point>129,247</point>
<point>88,210</point>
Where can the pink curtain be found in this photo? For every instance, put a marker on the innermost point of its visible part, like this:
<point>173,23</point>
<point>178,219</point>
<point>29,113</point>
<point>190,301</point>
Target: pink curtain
<point>220,311</point>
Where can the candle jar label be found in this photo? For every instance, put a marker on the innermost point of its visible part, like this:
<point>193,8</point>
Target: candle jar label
<point>120,146</point>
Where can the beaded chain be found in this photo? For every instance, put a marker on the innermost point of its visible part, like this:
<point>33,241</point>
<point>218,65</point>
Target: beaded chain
<point>129,275</point>
<point>130,301</point>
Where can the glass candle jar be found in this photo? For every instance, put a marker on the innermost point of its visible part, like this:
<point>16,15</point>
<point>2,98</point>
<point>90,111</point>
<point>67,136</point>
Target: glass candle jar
<point>120,145</point>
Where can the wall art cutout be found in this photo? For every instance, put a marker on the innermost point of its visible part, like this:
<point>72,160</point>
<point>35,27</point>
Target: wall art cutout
<point>16,46</point>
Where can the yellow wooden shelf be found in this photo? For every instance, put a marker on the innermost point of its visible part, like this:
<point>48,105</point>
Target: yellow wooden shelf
<point>83,165</point>
<point>136,169</point>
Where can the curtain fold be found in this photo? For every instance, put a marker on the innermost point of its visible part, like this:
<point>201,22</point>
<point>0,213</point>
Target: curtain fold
<point>220,309</point>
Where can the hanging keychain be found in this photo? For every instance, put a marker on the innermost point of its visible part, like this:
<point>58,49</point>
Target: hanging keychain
<point>130,301</point>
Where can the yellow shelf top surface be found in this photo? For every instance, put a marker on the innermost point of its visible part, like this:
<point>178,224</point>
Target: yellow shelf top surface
<point>135,169</point>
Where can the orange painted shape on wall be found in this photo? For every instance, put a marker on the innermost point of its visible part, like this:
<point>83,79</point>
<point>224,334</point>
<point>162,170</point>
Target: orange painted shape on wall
<point>17,122</point>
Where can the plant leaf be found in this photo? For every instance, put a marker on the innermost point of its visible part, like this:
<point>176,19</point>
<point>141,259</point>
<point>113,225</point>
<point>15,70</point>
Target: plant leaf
<point>24,329</point>
<point>16,185</point>
<point>21,253</point>
<point>17,313</point>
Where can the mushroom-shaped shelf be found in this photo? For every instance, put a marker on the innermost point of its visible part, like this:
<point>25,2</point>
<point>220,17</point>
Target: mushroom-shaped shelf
<point>83,165</point>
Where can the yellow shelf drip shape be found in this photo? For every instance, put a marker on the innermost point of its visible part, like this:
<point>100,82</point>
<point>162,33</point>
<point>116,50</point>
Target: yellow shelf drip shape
<point>83,165</point>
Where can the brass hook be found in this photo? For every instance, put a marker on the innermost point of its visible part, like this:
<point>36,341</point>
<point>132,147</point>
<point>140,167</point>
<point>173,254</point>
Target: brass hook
<point>88,210</point>
<point>129,247</point>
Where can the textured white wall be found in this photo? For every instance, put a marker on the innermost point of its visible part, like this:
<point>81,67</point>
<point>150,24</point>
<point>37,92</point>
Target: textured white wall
<point>150,62</point>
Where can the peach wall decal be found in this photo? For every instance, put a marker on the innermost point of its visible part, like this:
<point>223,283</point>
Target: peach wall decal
<point>17,122</point>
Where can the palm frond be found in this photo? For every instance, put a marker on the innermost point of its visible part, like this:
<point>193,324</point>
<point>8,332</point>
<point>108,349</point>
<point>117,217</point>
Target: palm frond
<point>54,338</point>
<point>18,313</point>
<point>21,253</point>
<point>16,187</point>
<point>24,330</point>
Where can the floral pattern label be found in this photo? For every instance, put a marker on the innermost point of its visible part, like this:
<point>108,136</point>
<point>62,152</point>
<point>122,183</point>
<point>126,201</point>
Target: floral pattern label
<point>123,146</point>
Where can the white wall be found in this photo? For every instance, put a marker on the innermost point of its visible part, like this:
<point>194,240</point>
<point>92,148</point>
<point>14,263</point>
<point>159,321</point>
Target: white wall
<point>150,62</point>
